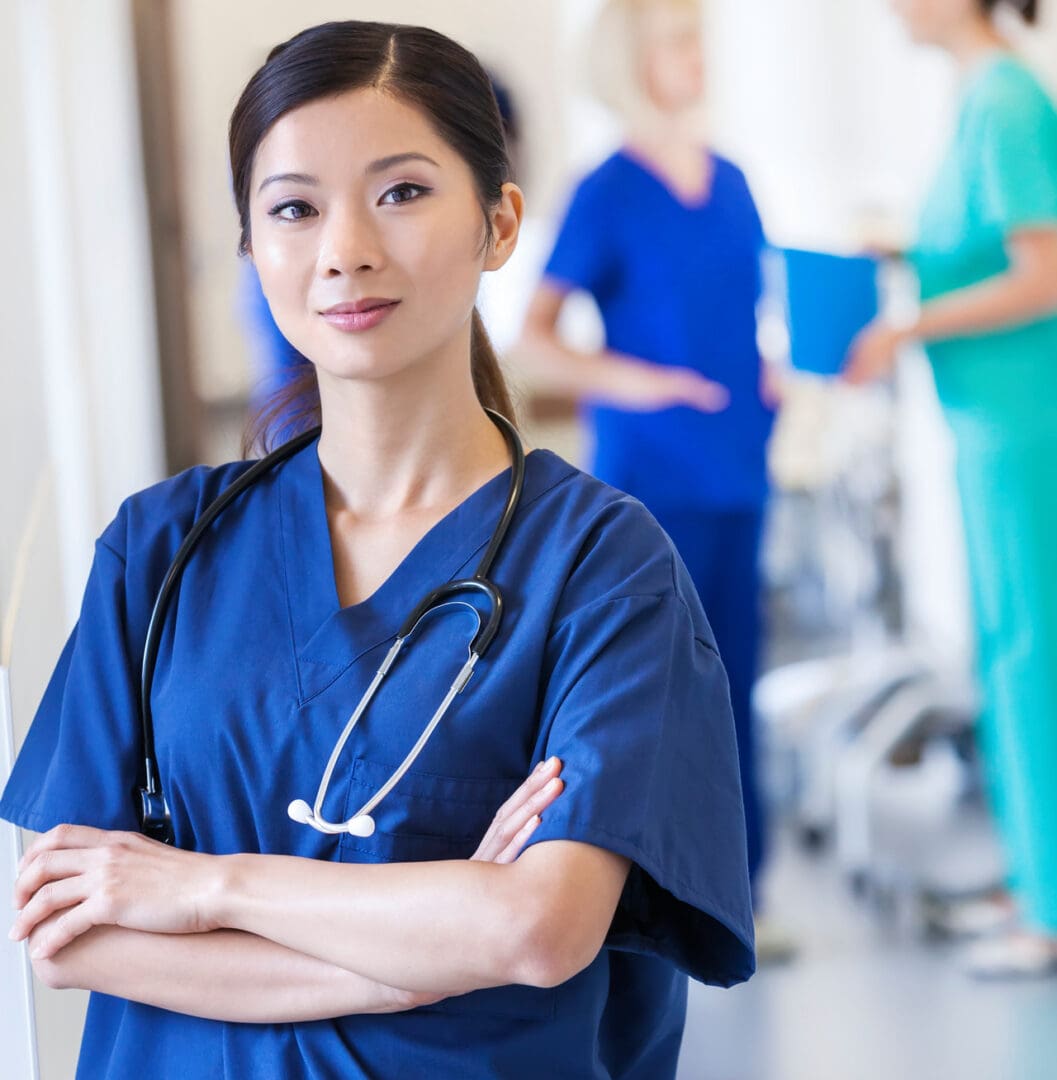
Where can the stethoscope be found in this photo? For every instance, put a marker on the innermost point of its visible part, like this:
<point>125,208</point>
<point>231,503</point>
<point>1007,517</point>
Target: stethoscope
<point>155,819</point>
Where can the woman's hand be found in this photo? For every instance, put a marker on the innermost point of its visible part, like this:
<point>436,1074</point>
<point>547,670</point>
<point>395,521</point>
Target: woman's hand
<point>641,386</point>
<point>517,818</point>
<point>75,877</point>
<point>872,354</point>
<point>97,877</point>
<point>513,824</point>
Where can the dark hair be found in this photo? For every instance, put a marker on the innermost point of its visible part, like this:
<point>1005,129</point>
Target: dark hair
<point>1027,9</point>
<point>420,67</point>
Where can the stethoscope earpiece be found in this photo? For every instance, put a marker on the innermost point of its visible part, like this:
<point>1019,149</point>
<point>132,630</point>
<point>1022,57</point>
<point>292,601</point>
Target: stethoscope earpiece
<point>300,812</point>
<point>361,825</point>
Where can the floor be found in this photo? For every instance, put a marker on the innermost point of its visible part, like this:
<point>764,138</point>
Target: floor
<point>867,999</point>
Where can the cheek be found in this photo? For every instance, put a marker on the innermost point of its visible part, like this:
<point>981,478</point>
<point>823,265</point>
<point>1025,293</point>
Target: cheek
<point>448,263</point>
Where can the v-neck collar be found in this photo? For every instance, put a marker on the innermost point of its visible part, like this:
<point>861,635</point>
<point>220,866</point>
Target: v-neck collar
<point>326,637</point>
<point>645,168</point>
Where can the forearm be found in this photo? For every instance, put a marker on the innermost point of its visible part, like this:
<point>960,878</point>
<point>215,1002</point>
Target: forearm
<point>1008,300</point>
<point>574,373</point>
<point>223,975</point>
<point>450,926</point>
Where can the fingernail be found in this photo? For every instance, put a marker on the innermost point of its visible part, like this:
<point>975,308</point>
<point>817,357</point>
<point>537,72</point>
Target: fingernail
<point>552,784</point>
<point>538,767</point>
<point>37,953</point>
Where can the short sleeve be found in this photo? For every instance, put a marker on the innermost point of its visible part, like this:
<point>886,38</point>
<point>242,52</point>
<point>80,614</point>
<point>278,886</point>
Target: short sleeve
<point>583,256</point>
<point>1017,152</point>
<point>79,761</point>
<point>638,709</point>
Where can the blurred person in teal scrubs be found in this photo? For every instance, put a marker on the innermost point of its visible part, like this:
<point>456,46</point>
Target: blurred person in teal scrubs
<point>986,258</point>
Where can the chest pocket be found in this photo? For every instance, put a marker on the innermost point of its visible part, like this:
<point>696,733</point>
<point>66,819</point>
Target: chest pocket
<point>426,818</point>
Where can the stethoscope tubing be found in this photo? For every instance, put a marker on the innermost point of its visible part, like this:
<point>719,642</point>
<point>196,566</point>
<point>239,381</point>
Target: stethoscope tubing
<point>153,810</point>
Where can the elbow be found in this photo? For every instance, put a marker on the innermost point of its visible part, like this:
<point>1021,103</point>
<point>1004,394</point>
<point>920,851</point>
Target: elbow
<point>552,949</point>
<point>53,973</point>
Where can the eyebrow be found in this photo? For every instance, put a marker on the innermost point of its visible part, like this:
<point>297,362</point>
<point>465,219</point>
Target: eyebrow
<point>375,167</point>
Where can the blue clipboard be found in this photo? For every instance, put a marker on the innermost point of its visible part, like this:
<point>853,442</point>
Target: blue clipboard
<point>828,300</point>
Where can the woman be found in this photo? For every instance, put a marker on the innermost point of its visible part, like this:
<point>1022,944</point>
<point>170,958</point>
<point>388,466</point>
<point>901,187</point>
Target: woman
<point>371,182</point>
<point>986,257</point>
<point>665,236</point>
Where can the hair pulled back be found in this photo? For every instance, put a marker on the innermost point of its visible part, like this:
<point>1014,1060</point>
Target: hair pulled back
<point>418,66</point>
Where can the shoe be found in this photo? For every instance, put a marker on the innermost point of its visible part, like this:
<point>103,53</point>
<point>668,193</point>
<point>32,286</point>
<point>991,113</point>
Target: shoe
<point>773,944</point>
<point>1012,956</point>
<point>972,918</point>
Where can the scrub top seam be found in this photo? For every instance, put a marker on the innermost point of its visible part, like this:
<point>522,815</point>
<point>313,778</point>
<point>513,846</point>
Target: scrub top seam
<point>596,604</point>
<point>117,554</point>
<point>686,607</point>
<point>24,818</point>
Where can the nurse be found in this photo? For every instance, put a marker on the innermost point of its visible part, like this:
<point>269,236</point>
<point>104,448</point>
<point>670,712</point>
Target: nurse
<point>371,184</point>
<point>986,257</point>
<point>665,236</point>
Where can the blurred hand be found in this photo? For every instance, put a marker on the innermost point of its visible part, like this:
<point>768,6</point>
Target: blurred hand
<point>872,354</point>
<point>772,386</point>
<point>641,386</point>
<point>516,820</point>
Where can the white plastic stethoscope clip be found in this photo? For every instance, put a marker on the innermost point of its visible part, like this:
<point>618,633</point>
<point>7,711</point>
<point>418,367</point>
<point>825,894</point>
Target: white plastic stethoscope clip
<point>359,825</point>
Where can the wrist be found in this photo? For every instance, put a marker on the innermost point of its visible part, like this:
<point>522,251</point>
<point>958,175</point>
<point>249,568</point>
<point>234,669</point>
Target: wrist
<point>220,903</point>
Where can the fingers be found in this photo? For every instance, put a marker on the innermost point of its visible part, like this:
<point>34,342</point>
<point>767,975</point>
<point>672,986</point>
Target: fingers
<point>533,797</point>
<point>701,393</point>
<point>48,866</point>
<point>52,897</point>
<point>514,848</point>
<point>540,776</point>
<point>65,836</point>
<point>521,824</point>
<point>62,930</point>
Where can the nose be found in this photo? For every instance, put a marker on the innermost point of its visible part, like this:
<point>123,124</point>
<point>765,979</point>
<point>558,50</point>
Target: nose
<point>350,243</point>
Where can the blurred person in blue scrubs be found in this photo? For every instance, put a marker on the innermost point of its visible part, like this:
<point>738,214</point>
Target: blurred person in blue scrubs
<point>666,238</point>
<point>986,259</point>
<point>485,925</point>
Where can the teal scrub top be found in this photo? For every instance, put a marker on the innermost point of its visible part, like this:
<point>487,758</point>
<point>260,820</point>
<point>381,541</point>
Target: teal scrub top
<point>999,175</point>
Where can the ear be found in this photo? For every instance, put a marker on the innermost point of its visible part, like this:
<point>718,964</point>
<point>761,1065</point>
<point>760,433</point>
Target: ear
<point>506,224</point>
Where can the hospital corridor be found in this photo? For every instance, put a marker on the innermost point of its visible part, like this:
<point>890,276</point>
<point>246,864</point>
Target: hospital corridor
<point>527,540</point>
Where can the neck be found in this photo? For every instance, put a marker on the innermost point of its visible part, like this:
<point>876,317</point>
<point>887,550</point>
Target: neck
<point>972,40</point>
<point>667,134</point>
<point>417,440</point>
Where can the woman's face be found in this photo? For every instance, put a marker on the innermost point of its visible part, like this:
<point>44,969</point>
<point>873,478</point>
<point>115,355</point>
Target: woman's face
<point>672,63</point>
<point>933,22</point>
<point>353,199</point>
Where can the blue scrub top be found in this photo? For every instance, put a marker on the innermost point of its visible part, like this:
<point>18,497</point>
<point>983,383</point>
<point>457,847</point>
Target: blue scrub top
<point>604,658</point>
<point>676,284</point>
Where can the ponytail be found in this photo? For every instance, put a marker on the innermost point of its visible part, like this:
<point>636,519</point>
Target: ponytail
<point>488,380</point>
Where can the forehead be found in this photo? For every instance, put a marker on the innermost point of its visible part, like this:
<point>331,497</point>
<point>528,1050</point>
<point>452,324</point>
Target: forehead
<point>673,20</point>
<point>345,131</point>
